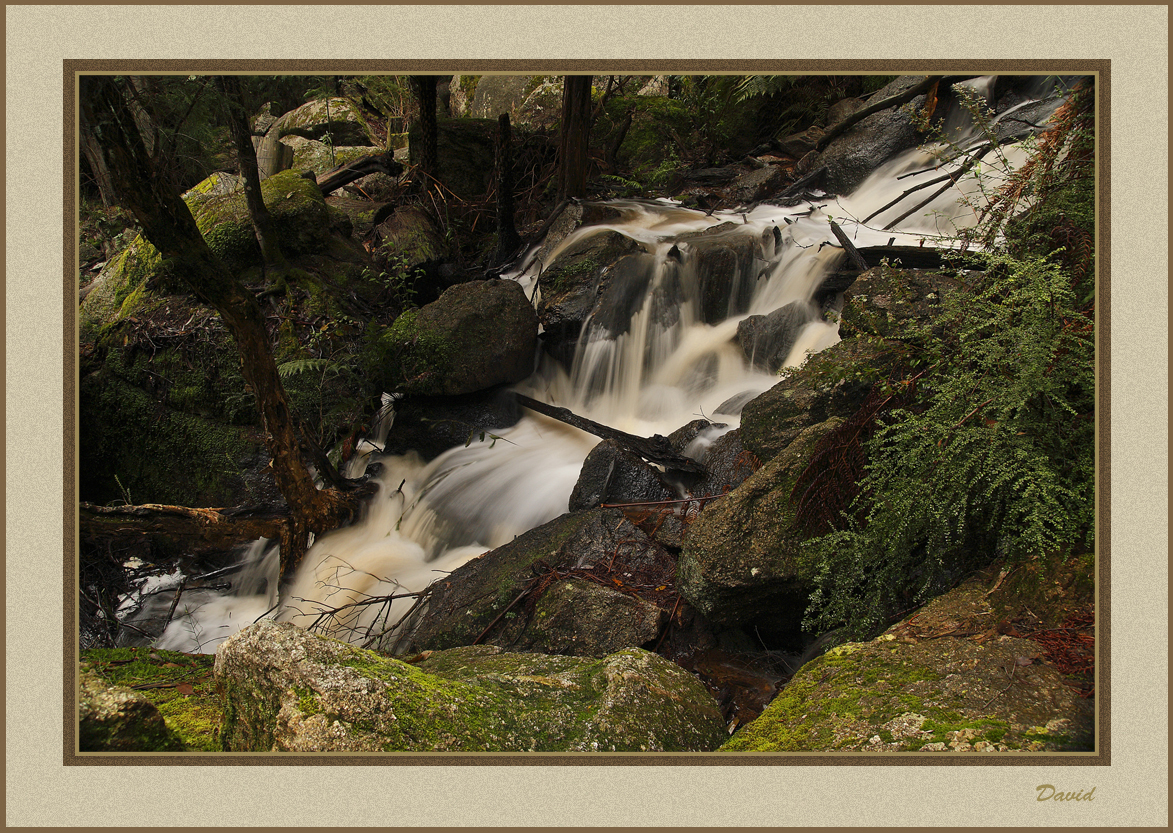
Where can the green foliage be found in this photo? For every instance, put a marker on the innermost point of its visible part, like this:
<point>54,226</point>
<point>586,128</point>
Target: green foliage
<point>992,451</point>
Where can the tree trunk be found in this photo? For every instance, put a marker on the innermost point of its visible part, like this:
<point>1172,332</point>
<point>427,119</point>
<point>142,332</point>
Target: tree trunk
<point>508,241</point>
<point>97,163</point>
<point>425,93</point>
<point>169,226</point>
<point>237,117</point>
<point>576,130</point>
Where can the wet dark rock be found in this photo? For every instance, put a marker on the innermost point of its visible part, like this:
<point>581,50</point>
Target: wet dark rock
<point>724,264</point>
<point>430,425</point>
<point>741,561</point>
<point>811,395</point>
<point>757,185</point>
<point>613,474</point>
<point>767,339</point>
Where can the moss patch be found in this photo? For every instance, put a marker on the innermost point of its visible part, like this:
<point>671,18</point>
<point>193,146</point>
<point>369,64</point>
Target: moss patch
<point>164,678</point>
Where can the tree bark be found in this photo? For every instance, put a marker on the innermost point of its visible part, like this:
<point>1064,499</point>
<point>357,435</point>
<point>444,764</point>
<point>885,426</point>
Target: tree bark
<point>425,92</point>
<point>508,240</point>
<point>169,226</point>
<point>575,137</point>
<point>246,155</point>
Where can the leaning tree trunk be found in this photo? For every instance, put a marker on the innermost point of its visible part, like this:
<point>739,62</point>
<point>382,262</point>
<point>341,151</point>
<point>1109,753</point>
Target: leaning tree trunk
<point>576,130</point>
<point>168,224</point>
<point>246,154</point>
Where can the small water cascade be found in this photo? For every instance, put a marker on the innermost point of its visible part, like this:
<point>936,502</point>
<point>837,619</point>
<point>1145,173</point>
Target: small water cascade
<point>653,369</point>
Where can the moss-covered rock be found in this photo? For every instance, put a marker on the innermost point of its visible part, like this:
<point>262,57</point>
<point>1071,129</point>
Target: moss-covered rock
<point>116,719</point>
<point>178,686</point>
<point>289,690</point>
<point>832,383</point>
<point>942,680</point>
<point>315,119</point>
<point>741,561</point>
<point>885,300</point>
<point>474,601</point>
<point>475,336</point>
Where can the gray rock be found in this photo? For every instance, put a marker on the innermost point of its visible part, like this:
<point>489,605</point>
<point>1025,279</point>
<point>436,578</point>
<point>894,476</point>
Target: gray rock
<point>612,474</point>
<point>315,119</point>
<point>767,339</point>
<point>474,600</point>
<point>581,618</point>
<point>289,690</point>
<point>740,562</point>
<point>810,395</point>
<point>115,719</point>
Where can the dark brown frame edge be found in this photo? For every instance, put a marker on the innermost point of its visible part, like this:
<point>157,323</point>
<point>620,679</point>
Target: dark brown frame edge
<point>1101,68</point>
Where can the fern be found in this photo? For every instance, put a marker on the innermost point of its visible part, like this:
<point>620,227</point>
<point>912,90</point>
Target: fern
<point>296,367</point>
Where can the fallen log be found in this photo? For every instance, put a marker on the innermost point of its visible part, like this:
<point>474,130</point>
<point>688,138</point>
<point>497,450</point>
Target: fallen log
<point>654,449</point>
<point>381,163</point>
<point>849,247</point>
<point>216,527</point>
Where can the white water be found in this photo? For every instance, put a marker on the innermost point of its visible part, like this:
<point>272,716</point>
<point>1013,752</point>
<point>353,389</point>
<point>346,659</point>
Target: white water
<point>653,378</point>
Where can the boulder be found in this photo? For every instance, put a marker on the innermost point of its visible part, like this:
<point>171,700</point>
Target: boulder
<point>741,561</point>
<point>497,94</point>
<point>919,687</point>
<point>320,157</point>
<point>336,117</point>
<point>722,262</point>
<point>758,184</point>
<point>115,719</point>
<point>884,301</point>
<point>798,145</point>
<point>474,336</point>
<point>767,339</point>
<point>572,284</point>
<point>851,157</point>
<point>832,383</point>
<point>613,474</point>
<point>475,599</point>
<point>430,425</point>
<point>290,690</point>
<point>573,216</point>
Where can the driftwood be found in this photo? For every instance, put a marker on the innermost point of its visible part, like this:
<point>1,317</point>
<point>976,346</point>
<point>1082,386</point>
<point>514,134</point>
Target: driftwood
<point>849,247</point>
<point>383,163</point>
<point>655,449</point>
<point>216,527</point>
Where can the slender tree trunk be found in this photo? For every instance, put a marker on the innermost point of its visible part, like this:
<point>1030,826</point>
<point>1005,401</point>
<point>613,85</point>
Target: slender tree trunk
<point>246,154</point>
<point>97,163</point>
<point>425,94</point>
<point>169,226</point>
<point>508,240</point>
<point>576,130</point>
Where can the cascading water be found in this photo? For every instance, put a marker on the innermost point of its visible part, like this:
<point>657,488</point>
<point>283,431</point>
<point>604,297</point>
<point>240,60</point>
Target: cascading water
<point>651,370</point>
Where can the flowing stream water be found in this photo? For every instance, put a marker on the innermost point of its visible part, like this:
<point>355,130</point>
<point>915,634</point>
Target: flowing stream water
<point>656,375</point>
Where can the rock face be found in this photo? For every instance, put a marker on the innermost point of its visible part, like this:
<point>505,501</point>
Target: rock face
<point>612,474</point>
<point>917,687</point>
<point>767,339</point>
<point>114,719</point>
<point>810,395</point>
<point>474,601</point>
<point>851,157</point>
<point>571,286</point>
<point>884,299</point>
<point>477,335</point>
<point>741,561</point>
<point>289,690</point>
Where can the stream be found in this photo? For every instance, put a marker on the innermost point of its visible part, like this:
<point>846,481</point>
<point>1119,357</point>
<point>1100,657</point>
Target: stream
<point>650,374</point>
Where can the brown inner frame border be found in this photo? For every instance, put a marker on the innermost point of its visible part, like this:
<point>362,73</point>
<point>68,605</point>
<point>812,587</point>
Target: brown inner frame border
<point>1100,68</point>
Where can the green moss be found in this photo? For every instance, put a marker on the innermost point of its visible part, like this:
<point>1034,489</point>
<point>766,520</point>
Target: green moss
<point>157,675</point>
<point>413,355</point>
<point>468,86</point>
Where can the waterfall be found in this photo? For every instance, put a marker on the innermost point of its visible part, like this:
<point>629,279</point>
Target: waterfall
<point>657,368</point>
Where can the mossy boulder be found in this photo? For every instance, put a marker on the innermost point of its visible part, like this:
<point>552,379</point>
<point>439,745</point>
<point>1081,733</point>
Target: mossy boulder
<point>832,383</point>
<point>290,690</point>
<point>179,687</point>
<point>944,679</point>
<point>572,284</point>
<point>886,301</point>
<point>528,99</point>
<point>742,561</point>
<point>314,120</point>
<point>474,601</point>
<point>475,336</point>
<point>116,719</point>
<point>320,157</point>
